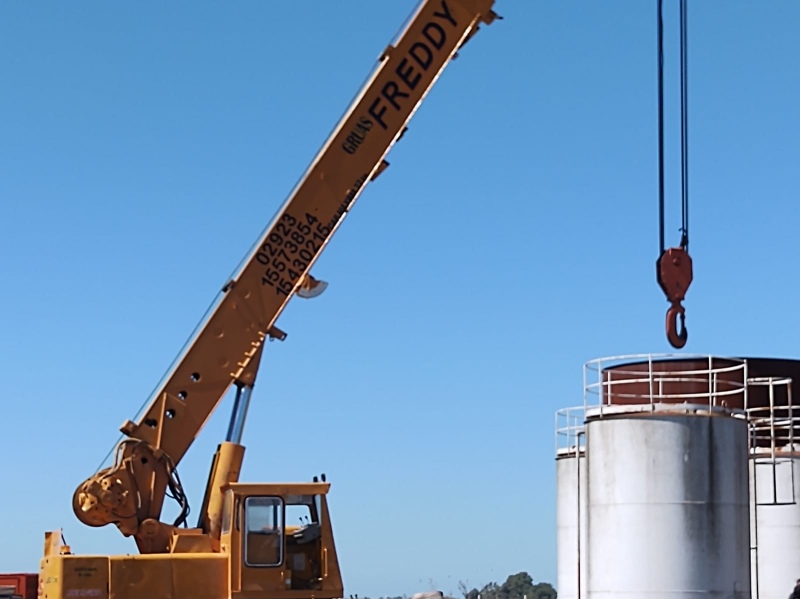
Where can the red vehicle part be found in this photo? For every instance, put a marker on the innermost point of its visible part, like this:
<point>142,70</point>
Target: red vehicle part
<point>25,585</point>
<point>674,277</point>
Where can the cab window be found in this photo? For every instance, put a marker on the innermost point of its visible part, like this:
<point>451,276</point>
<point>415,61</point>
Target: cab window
<point>301,511</point>
<point>263,518</point>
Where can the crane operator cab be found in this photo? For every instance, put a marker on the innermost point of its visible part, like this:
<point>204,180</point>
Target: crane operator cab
<point>279,538</point>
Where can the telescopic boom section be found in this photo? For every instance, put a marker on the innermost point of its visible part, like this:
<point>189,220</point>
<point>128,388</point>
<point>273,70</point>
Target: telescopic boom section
<point>227,349</point>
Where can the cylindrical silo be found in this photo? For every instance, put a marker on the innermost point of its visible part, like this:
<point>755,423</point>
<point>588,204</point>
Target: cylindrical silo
<point>774,487</point>
<point>667,502</point>
<point>570,503</point>
<point>571,523</point>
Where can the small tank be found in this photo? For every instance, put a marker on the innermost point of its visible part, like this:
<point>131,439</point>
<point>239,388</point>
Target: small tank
<point>570,504</point>
<point>774,470</point>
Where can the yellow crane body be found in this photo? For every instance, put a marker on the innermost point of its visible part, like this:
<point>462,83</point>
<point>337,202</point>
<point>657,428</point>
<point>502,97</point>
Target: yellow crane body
<point>244,546</point>
<point>260,555</point>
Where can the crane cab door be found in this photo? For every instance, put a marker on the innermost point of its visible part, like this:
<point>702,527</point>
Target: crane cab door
<point>284,545</point>
<point>284,533</point>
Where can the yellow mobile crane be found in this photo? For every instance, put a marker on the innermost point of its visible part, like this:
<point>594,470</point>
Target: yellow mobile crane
<point>243,546</point>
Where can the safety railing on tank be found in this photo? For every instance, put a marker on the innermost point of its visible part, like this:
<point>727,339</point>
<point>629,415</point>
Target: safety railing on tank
<point>652,382</point>
<point>569,431</point>
<point>774,423</point>
<point>721,383</point>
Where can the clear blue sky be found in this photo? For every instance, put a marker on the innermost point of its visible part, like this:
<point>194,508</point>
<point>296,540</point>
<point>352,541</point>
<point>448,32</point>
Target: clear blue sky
<point>143,148</point>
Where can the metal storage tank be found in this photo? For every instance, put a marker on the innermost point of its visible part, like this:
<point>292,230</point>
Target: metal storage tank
<point>570,504</point>
<point>774,470</point>
<point>667,502</point>
<point>665,487</point>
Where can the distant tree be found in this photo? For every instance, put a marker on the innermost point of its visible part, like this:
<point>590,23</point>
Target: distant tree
<point>466,592</point>
<point>516,586</point>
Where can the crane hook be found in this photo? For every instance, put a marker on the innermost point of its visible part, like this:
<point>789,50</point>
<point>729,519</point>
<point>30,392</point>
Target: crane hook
<point>674,271</point>
<point>676,336</point>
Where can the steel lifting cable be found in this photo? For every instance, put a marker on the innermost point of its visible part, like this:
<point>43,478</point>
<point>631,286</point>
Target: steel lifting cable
<point>674,266</point>
<point>684,133</point>
<point>660,45</point>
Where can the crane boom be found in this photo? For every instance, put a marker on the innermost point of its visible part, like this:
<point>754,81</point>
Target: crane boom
<point>227,347</point>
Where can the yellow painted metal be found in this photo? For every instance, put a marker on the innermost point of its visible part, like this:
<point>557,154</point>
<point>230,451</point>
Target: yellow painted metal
<point>164,576</point>
<point>305,570</point>
<point>259,293</point>
<point>176,576</point>
<point>231,339</point>
<point>230,554</point>
<point>54,543</point>
<point>71,576</point>
<point>224,470</point>
<point>192,540</point>
<point>281,564</point>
